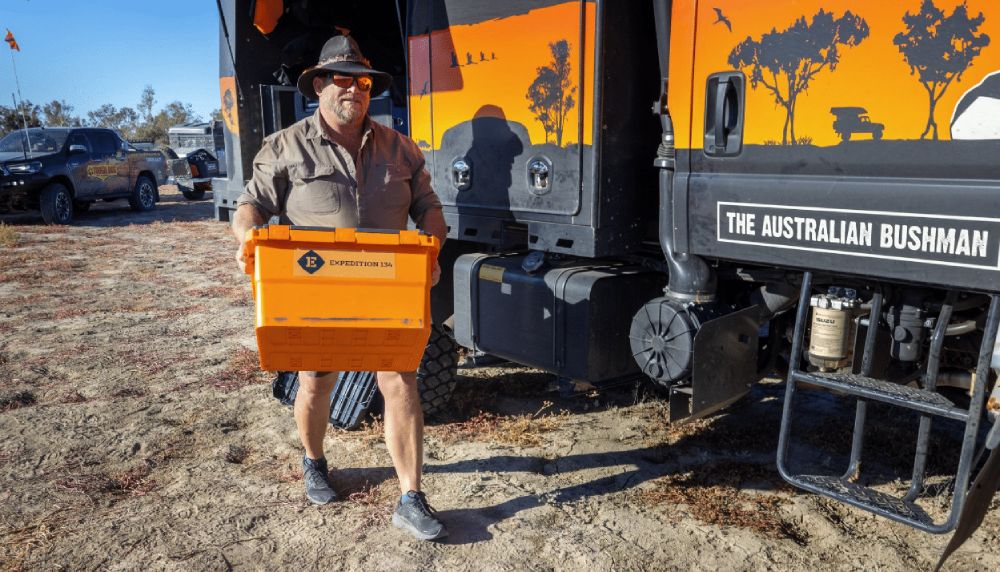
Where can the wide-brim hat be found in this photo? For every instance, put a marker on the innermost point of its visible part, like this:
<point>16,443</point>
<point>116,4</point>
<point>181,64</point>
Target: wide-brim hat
<point>341,54</point>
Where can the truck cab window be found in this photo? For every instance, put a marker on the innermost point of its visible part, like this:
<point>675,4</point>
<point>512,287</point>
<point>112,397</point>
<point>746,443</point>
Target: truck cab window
<point>105,144</point>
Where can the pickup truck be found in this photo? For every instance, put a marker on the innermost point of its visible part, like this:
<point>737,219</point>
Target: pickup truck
<point>62,171</point>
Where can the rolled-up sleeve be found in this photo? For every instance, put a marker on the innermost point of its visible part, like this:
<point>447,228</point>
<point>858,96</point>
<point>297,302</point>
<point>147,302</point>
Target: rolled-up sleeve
<point>267,188</point>
<point>423,196</point>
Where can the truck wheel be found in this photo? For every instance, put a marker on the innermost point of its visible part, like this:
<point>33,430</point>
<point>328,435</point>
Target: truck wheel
<point>877,135</point>
<point>437,374</point>
<point>81,206</point>
<point>143,196</point>
<point>56,204</point>
<point>193,195</point>
<point>845,137</point>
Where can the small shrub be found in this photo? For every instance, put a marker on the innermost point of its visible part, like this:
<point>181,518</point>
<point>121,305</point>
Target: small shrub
<point>236,454</point>
<point>8,236</point>
<point>17,400</point>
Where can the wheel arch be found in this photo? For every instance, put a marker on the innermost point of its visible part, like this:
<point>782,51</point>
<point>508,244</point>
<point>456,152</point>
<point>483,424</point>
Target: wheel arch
<point>152,177</point>
<point>64,181</point>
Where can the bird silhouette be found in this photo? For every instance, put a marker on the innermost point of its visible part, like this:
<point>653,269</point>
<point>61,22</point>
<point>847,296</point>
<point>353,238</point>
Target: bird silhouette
<point>722,19</point>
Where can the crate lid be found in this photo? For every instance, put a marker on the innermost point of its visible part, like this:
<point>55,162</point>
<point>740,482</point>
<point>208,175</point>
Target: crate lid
<point>281,232</point>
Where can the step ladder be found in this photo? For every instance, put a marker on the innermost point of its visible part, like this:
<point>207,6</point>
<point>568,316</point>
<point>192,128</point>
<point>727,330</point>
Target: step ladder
<point>925,401</point>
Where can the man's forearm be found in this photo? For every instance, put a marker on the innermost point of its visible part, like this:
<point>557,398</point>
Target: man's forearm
<point>246,217</point>
<point>433,223</point>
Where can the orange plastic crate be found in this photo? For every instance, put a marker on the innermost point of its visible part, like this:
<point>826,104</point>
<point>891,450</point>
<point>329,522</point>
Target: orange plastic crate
<point>340,299</point>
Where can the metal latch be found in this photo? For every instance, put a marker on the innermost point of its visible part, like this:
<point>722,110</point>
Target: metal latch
<point>461,174</point>
<point>539,175</point>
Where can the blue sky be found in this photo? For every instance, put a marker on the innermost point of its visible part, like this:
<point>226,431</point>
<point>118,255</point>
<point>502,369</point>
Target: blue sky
<point>91,52</point>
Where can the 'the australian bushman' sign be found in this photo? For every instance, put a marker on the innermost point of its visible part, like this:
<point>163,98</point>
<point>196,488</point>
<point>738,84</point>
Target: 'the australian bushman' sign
<point>972,242</point>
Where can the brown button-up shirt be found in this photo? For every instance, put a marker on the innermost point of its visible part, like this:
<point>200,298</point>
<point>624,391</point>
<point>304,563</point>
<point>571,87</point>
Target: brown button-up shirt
<point>307,179</point>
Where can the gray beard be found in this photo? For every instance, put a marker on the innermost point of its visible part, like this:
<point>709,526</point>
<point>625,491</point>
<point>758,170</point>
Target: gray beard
<point>347,115</point>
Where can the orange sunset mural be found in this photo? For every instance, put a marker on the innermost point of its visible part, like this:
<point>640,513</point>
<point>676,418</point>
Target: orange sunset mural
<point>876,68</point>
<point>489,67</point>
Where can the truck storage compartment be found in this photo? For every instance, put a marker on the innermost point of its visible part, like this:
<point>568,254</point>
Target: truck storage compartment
<point>341,299</point>
<point>535,121</point>
<point>570,317</point>
<point>268,46</point>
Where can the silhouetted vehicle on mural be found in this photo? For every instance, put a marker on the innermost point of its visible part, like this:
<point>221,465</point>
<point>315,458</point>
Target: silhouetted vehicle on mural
<point>851,120</point>
<point>696,246</point>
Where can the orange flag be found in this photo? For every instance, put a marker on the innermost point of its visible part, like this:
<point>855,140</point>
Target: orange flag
<point>10,40</point>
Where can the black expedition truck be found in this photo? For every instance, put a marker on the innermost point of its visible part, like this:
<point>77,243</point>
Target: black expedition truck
<point>59,171</point>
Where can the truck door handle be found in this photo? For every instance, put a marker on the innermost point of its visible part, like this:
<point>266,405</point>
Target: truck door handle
<point>721,94</point>
<point>724,114</point>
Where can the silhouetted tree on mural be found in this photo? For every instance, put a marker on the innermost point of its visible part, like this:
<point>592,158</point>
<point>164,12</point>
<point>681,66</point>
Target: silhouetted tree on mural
<point>551,94</point>
<point>786,62</point>
<point>939,49</point>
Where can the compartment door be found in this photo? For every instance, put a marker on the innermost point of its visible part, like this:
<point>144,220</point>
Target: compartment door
<point>495,103</point>
<point>831,137</point>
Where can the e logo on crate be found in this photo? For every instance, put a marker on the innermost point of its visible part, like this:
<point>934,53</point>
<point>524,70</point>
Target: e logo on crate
<point>311,262</point>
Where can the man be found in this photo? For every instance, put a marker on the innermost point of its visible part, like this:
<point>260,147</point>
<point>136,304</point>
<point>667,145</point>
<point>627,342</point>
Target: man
<point>340,169</point>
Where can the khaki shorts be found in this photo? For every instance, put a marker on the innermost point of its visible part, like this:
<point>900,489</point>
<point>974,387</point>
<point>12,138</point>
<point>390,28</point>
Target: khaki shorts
<point>325,373</point>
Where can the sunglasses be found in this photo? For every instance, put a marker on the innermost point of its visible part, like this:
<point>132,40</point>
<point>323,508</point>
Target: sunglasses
<point>363,82</point>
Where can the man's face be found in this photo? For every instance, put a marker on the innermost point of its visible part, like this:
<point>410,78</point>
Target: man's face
<point>344,96</point>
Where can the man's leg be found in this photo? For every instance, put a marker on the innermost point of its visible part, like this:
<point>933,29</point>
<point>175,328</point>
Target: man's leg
<point>404,436</point>
<point>312,414</point>
<point>404,426</point>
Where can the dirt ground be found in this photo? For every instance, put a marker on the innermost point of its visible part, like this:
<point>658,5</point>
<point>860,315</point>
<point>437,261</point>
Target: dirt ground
<point>137,433</point>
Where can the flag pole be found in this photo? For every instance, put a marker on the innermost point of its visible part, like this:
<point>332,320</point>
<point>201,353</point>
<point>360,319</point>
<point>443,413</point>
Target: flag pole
<point>24,120</point>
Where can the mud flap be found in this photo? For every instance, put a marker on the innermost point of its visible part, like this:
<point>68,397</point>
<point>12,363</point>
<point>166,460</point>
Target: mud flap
<point>978,502</point>
<point>724,365</point>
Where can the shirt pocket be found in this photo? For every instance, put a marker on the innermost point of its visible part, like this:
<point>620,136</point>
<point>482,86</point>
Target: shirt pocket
<point>317,189</point>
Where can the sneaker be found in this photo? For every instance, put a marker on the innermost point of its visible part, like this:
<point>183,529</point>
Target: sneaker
<point>413,514</point>
<point>314,474</point>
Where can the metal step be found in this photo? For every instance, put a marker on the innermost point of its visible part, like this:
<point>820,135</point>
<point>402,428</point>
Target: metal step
<point>865,498</point>
<point>887,392</point>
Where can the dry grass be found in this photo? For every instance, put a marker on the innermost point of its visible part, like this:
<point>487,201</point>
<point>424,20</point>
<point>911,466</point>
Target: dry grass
<point>372,431</point>
<point>142,361</point>
<point>713,495</point>
<point>9,237</point>
<point>520,430</point>
<point>376,504</point>
<point>243,369</point>
<point>17,400</point>
<point>6,371</point>
<point>18,543</point>
<point>134,482</point>
<point>73,397</point>
<point>181,311</point>
<point>72,312</point>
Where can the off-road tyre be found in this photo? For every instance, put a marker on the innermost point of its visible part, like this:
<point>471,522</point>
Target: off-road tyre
<point>437,374</point>
<point>143,197</point>
<point>81,206</point>
<point>56,204</point>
